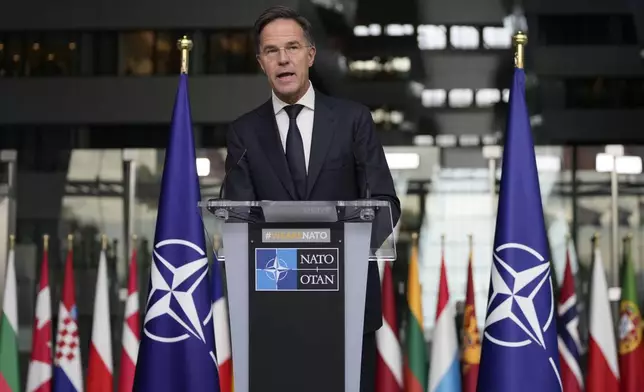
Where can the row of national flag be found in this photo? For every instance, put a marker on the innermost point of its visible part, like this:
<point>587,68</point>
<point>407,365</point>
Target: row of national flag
<point>611,366</point>
<point>403,366</point>
<point>59,369</point>
<point>530,341</point>
<point>55,363</point>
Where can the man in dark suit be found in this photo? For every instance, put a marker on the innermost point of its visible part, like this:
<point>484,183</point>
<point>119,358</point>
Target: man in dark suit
<point>303,145</point>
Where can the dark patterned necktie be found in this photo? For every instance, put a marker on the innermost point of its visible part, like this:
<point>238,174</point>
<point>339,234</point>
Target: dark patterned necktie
<point>295,151</point>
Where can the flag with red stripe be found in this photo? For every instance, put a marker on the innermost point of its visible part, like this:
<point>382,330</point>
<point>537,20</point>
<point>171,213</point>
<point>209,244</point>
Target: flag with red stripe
<point>602,374</point>
<point>68,373</point>
<point>131,327</point>
<point>222,330</point>
<point>568,330</point>
<point>99,371</point>
<point>40,371</point>
<point>389,368</point>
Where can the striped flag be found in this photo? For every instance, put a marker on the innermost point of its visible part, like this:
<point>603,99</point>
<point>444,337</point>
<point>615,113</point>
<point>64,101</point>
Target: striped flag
<point>131,330</point>
<point>415,356</point>
<point>222,331</point>
<point>602,374</point>
<point>68,374</point>
<point>9,372</point>
<point>444,369</point>
<point>631,350</point>
<point>471,335</point>
<point>389,361</point>
<point>40,372</point>
<point>99,371</point>
<point>568,339</point>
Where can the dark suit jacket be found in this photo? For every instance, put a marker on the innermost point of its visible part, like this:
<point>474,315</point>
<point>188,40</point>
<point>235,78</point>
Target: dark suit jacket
<point>344,147</point>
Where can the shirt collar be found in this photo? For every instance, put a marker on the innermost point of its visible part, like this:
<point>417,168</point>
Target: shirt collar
<point>307,100</point>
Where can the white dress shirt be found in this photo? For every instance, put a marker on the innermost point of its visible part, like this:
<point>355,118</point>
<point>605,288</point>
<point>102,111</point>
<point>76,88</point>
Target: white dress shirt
<point>304,120</point>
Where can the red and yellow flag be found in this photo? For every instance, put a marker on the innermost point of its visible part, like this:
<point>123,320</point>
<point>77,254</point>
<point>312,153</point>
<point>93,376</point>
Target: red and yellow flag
<point>471,337</point>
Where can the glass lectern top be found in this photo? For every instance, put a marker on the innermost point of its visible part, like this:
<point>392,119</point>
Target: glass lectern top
<point>216,213</point>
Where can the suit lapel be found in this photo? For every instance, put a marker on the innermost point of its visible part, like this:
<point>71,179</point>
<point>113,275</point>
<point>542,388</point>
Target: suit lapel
<point>323,130</point>
<point>270,140</point>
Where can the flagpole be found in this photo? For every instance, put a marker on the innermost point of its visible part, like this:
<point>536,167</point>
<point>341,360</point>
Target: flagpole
<point>185,45</point>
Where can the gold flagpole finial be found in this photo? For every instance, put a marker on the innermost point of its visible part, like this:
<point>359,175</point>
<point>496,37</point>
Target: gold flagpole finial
<point>104,242</point>
<point>595,239</point>
<point>45,240</point>
<point>70,241</point>
<point>185,45</point>
<point>519,40</point>
<point>12,241</point>
<point>442,241</point>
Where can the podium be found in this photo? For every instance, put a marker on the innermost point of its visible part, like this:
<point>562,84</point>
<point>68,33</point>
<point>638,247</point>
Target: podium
<point>296,275</point>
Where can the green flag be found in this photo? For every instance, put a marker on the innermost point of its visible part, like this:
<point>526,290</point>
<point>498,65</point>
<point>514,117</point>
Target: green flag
<point>415,361</point>
<point>9,374</point>
<point>631,349</point>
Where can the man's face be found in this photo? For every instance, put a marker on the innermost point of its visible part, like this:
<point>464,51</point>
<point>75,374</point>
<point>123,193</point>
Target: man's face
<point>285,56</point>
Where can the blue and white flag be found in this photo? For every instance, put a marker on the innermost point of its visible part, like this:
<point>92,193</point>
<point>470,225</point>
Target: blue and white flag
<point>177,351</point>
<point>519,350</point>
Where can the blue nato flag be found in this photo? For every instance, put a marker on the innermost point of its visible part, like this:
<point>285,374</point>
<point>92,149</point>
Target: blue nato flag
<point>519,351</point>
<point>177,351</point>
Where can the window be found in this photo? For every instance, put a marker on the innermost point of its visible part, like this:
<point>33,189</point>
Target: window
<point>377,68</point>
<point>604,93</point>
<point>39,54</point>
<point>464,37</point>
<point>432,37</point>
<point>138,51</point>
<point>151,52</point>
<point>433,98</point>
<point>593,29</point>
<point>497,37</point>
<point>231,52</point>
<point>167,56</point>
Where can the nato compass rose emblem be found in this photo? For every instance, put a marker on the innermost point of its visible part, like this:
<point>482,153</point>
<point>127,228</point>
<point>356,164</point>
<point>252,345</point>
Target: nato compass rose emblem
<point>276,269</point>
<point>513,298</point>
<point>171,293</point>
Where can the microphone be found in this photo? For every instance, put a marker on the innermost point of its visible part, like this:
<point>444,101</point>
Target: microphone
<point>223,182</point>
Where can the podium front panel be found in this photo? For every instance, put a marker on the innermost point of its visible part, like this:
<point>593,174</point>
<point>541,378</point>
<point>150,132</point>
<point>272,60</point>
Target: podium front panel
<point>297,305</point>
<point>236,267</point>
<point>357,237</point>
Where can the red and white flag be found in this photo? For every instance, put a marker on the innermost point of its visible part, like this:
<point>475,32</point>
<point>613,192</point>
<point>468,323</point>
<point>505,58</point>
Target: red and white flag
<point>131,338</point>
<point>602,374</point>
<point>222,330</point>
<point>389,367</point>
<point>568,339</point>
<point>40,371</point>
<point>99,371</point>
